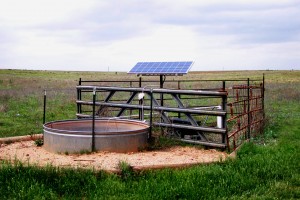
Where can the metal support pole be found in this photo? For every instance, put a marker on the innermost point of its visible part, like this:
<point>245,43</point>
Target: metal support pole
<point>79,97</point>
<point>44,115</point>
<point>224,118</point>
<point>263,97</point>
<point>45,100</point>
<point>161,85</point>
<point>93,124</point>
<point>248,110</point>
<point>142,109</point>
<point>130,111</point>
<point>140,81</point>
<point>78,105</point>
<point>179,114</point>
<point>140,101</point>
<point>151,109</point>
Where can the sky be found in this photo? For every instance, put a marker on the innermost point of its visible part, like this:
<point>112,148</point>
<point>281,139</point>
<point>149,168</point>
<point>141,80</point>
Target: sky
<point>113,35</point>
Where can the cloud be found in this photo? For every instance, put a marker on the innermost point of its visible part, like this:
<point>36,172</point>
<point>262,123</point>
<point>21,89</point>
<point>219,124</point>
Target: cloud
<point>249,22</point>
<point>103,23</point>
<point>72,34</point>
<point>17,13</point>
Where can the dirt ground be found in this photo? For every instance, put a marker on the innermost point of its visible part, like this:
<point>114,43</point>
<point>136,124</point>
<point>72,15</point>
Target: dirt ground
<point>28,152</point>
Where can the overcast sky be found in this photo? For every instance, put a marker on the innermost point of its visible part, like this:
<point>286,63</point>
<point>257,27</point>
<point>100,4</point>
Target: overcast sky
<point>98,35</point>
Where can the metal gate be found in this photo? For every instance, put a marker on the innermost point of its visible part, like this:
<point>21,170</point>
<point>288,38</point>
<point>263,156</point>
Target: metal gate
<point>223,117</point>
<point>185,120</point>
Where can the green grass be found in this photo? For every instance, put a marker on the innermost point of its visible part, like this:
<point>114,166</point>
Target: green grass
<point>23,116</point>
<point>268,167</point>
<point>260,172</point>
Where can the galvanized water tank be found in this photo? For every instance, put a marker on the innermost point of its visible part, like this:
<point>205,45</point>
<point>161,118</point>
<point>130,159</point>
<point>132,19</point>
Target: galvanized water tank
<point>114,135</point>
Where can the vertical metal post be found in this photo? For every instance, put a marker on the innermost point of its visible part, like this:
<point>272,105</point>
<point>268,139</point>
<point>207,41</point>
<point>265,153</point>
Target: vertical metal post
<point>78,105</point>
<point>248,110</point>
<point>44,114</point>
<point>179,114</point>
<point>140,102</point>
<point>142,111</point>
<point>263,97</point>
<point>224,118</point>
<point>151,109</point>
<point>93,123</point>
<point>79,98</point>
<point>45,100</point>
<point>130,111</point>
<point>161,85</point>
<point>140,81</point>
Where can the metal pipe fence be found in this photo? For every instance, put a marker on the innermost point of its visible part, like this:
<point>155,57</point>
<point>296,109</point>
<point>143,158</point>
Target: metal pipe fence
<point>223,114</point>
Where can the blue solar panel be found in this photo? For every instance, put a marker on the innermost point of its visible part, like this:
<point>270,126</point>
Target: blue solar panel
<point>161,68</point>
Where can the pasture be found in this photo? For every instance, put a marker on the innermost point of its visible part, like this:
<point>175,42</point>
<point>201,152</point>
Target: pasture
<point>268,167</point>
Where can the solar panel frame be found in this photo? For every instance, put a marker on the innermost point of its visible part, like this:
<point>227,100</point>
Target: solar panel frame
<point>161,68</point>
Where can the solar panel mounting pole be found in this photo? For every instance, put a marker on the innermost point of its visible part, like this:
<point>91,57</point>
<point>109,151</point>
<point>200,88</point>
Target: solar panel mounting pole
<point>161,85</point>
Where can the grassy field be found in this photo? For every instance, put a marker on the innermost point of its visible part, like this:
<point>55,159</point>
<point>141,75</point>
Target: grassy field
<point>266,168</point>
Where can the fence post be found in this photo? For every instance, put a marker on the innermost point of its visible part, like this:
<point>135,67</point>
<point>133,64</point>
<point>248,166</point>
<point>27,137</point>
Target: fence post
<point>130,111</point>
<point>45,100</point>
<point>93,123</point>
<point>79,97</point>
<point>179,114</point>
<point>224,118</point>
<point>140,101</point>
<point>151,109</point>
<point>263,98</point>
<point>248,110</point>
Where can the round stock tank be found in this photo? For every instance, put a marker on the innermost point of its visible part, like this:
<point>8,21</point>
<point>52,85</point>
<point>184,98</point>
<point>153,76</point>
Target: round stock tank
<point>114,135</point>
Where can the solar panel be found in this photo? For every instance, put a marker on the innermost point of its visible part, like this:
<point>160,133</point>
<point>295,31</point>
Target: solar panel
<point>161,68</point>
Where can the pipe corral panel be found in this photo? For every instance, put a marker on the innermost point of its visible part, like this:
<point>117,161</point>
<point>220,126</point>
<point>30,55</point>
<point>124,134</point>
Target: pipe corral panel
<point>114,135</point>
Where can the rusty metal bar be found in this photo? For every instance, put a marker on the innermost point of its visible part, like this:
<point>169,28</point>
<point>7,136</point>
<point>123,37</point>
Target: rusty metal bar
<point>240,115</point>
<point>235,102</point>
<point>248,110</point>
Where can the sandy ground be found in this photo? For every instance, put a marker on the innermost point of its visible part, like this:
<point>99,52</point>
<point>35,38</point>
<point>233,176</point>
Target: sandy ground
<point>28,152</point>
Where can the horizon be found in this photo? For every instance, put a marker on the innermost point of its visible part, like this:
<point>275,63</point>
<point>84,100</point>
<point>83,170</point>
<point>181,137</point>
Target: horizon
<point>191,71</point>
<point>218,35</point>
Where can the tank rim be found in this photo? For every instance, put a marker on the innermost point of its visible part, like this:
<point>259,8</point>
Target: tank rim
<point>143,126</point>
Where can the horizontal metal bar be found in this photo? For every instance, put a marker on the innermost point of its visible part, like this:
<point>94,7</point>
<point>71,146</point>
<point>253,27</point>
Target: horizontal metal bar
<point>172,81</point>
<point>218,145</point>
<point>157,108</point>
<point>191,92</point>
<point>83,115</point>
<point>242,101</point>
<point>197,128</point>
<point>167,91</point>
